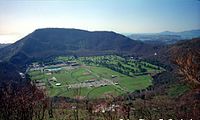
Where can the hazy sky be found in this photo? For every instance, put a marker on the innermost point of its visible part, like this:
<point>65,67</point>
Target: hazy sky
<point>20,17</point>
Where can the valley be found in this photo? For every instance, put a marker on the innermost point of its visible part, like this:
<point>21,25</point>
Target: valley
<point>92,77</point>
<point>99,60</point>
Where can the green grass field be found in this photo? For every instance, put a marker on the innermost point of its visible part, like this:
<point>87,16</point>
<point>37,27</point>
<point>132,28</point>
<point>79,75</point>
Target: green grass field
<point>84,72</point>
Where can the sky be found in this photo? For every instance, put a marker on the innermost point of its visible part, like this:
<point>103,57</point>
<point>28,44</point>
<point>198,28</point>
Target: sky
<point>21,17</point>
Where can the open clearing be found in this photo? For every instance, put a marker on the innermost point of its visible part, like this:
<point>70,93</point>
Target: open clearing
<point>79,78</point>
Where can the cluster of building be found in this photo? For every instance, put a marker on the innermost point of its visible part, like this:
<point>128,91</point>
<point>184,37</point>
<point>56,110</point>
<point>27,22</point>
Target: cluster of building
<point>49,69</point>
<point>103,107</point>
<point>89,84</point>
<point>54,67</point>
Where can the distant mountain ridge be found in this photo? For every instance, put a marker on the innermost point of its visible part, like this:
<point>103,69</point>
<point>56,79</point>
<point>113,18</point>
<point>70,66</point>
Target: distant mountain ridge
<point>184,34</point>
<point>44,43</point>
<point>166,37</point>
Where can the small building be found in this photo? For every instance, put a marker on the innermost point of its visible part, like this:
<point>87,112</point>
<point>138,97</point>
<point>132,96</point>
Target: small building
<point>116,83</point>
<point>53,69</point>
<point>53,79</point>
<point>90,85</point>
<point>113,76</point>
<point>58,84</point>
<point>90,81</point>
<point>22,75</point>
<point>75,64</point>
<point>70,62</point>
<point>48,73</point>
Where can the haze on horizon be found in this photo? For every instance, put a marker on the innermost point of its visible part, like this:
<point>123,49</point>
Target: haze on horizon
<point>19,18</point>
